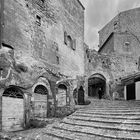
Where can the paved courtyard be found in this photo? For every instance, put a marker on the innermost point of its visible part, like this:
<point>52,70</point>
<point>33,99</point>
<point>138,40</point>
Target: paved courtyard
<point>101,120</point>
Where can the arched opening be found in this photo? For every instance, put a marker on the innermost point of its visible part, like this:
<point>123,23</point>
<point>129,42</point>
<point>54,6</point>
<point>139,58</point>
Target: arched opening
<point>97,86</point>
<point>40,101</point>
<point>13,109</point>
<point>61,96</point>
<point>81,99</point>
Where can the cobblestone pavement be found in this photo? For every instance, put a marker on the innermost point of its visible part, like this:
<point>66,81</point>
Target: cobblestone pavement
<point>101,120</point>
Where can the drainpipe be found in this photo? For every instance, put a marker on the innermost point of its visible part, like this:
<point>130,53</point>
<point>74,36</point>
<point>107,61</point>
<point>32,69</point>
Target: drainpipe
<point>1,21</point>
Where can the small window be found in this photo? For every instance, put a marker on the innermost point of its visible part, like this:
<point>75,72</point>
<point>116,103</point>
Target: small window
<point>58,59</point>
<point>69,41</point>
<point>42,1</point>
<point>65,38</point>
<point>74,44</point>
<point>115,25</point>
<point>38,20</point>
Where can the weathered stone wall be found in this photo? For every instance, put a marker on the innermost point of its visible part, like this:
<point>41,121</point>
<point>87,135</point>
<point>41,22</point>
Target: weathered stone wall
<point>104,33</point>
<point>126,43</point>
<point>44,41</point>
<point>72,17</point>
<point>124,59</point>
<point>127,33</point>
<point>129,20</point>
<point>113,67</point>
<point>34,46</point>
<point>108,46</point>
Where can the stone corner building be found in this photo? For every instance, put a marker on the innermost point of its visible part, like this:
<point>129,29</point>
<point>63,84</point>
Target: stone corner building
<point>115,67</point>
<point>41,58</point>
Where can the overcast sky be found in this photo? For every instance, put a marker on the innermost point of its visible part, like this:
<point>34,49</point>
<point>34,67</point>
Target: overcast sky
<point>100,12</point>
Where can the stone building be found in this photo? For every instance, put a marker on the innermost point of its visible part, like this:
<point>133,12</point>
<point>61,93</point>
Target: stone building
<point>115,68</point>
<point>41,58</point>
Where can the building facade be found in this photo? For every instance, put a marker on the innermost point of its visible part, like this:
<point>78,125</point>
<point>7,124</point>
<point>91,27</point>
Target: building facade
<point>42,54</point>
<point>115,67</point>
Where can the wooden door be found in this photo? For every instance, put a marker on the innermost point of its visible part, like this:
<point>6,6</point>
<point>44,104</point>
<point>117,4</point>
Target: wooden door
<point>12,114</point>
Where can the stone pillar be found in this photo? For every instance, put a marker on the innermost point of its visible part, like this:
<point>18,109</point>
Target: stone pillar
<point>86,88</point>
<point>125,93</point>
<point>107,89</point>
<point>1,92</point>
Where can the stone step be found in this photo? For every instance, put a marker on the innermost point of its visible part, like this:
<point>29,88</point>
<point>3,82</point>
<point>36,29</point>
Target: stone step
<point>107,107</point>
<point>105,120</point>
<point>117,134</point>
<point>107,116</point>
<point>106,110</point>
<point>112,126</point>
<point>50,137</point>
<point>65,134</point>
<point>109,113</point>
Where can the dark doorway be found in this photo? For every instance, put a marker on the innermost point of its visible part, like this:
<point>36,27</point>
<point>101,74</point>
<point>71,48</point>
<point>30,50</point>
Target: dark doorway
<point>96,86</point>
<point>130,90</point>
<point>81,100</point>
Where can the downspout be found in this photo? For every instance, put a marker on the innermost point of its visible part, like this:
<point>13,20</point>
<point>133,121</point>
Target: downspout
<point>1,21</point>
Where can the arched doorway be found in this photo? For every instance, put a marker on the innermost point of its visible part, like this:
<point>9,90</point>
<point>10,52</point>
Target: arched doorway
<point>81,96</point>
<point>13,109</point>
<point>96,86</point>
<point>40,101</point>
<point>61,96</point>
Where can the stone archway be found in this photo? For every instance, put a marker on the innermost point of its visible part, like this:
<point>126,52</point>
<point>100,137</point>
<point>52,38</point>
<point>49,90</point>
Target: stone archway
<point>40,101</point>
<point>13,111</point>
<point>63,93</point>
<point>61,96</point>
<point>96,86</point>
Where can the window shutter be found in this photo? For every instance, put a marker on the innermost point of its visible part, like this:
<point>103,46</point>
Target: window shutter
<point>139,63</point>
<point>74,44</point>
<point>65,37</point>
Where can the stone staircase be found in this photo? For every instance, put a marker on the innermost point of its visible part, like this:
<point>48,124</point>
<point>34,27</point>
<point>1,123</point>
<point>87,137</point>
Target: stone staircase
<point>101,120</point>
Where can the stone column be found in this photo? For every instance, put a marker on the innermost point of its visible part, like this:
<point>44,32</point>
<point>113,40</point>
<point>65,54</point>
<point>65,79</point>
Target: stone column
<point>125,93</point>
<point>107,89</point>
<point>1,92</point>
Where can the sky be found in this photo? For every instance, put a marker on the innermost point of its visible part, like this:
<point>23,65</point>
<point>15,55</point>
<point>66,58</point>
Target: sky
<point>98,13</point>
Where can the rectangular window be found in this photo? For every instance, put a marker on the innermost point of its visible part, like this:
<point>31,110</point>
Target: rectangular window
<point>38,20</point>
<point>43,1</point>
<point>58,59</point>
<point>74,44</point>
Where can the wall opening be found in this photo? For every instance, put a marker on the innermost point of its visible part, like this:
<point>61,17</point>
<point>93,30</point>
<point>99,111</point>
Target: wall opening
<point>38,20</point>
<point>97,86</point>
<point>61,96</point>
<point>81,99</point>
<point>130,91</point>
<point>40,101</point>
<point>13,109</point>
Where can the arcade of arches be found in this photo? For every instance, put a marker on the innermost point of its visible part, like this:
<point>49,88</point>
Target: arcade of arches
<point>96,86</point>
